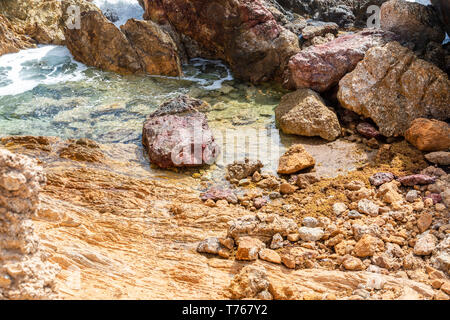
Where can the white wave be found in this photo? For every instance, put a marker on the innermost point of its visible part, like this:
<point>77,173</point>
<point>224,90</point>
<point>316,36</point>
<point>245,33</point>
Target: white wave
<point>122,9</point>
<point>26,69</point>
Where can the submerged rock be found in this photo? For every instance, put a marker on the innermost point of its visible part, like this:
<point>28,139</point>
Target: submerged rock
<point>386,87</point>
<point>244,33</point>
<point>412,21</point>
<point>239,170</point>
<point>304,113</point>
<point>295,159</point>
<point>178,135</point>
<point>429,134</point>
<point>321,67</point>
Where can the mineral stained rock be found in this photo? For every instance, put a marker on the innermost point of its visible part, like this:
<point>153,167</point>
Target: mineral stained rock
<point>178,135</point>
<point>429,135</point>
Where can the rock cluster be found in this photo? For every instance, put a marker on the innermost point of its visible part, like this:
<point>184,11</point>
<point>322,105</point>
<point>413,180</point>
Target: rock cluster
<point>24,271</point>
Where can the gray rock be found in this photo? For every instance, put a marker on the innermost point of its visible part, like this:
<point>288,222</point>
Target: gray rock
<point>368,207</point>
<point>310,234</point>
<point>310,222</point>
<point>441,158</point>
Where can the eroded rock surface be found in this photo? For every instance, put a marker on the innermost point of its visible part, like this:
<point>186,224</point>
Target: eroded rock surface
<point>385,87</point>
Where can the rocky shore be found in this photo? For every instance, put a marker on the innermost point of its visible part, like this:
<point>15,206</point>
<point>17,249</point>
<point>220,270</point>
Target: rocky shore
<point>159,220</point>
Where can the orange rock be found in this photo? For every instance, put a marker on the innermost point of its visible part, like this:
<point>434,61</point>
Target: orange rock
<point>295,159</point>
<point>248,248</point>
<point>270,255</point>
<point>429,135</point>
<point>424,221</point>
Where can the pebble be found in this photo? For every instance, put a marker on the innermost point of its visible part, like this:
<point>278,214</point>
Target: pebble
<point>310,222</point>
<point>368,207</point>
<point>412,195</point>
<point>339,208</point>
<point>380,178</point>
<point>310,234</point>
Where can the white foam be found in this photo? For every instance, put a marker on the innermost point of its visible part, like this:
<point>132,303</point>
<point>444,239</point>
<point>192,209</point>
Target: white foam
<point>26,69</point>
<point>124,9</point>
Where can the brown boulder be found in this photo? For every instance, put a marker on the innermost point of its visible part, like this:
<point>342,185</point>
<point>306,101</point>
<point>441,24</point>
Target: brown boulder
<point>304,113</point>
<point>156,49</point>
<point>429,135</point>
<point>412,22</point>
<point>295,159</point>
<point>393,87</point>
<point>321,67</point>
<point>241,32</point>
<point>141,47</point>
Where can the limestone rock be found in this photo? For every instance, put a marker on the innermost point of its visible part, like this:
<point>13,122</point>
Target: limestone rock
<point>425,244</point>
<point>380,178</point>
<point>11,39</point>
<point>304,113</point>
<point>295,159</point>
<point>270,256</point>
<point>429,134</point>
<point>310,234</point>
<point>248,248</point>
<point>213,246</point>
<point>251,282</point>
<point>321,67</point>
<point>25,272</point>
<point>368,207</point>
<point>386,88</point>
<point>367,246</point>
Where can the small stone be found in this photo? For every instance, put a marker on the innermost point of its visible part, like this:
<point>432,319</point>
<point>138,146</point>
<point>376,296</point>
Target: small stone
<point>412,195</point>
<point>427,202</point>
<point>425,244</point>
<point>295,159</point>
<point>366,246</point>
<point>270,256</point>
<point>441,158</point>
<point>293,237</point>
<point>416,179</point>
<point>352,263</point>
<point>288,261</point>
<point>367,130</point>
<point>244,182</point>
<point>277,242</point>
<point>213,246</point>
<point>440,207</point>
<point>446,287</point>
<point>259,202</point>
<point>227,243</point>
<point>287,188</point>
<point>424,221</point>
<point>210,203</point>
<point>368,207</point>
<point>216,193</point>
<point>353,214</point>
<point>310,234</point>
<point>436,197</point>
<point>380,178</point>
<point>310,222</point>
<point>339,208</point>
<point>256,177</point>
<point>248,248</point>
<point>306,179</point>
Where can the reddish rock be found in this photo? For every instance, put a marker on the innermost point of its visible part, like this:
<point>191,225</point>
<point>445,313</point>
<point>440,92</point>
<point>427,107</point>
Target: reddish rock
<point>241,32</point>
<point>216,193</point>
<point>380,178</point>
<point>416,179</point>
<point>321,67</point>
<point>436,197</point>
<point>367,130</point>
<point>429,135</point>
<point>178,135</point>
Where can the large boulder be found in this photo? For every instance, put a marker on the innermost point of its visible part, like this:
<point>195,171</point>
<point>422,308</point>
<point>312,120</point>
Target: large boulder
<point>11,39</point>
<point>429,135</point>
<point>303,112</point>
<point>43,20</point>
<point>241,32</point>
<point>321,67</point>
<point>393,87</point>
<point>412,22</point>
<point>141,47</point>
<point>156,49</point>
<point>178,135</point>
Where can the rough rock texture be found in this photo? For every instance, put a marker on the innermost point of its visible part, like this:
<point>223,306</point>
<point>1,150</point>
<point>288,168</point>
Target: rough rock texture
<point>11,39</point>
<point>441,158</point>
<point>294,160</point>
<point>178,135</point>
<point>387,88</point>
<point>156,49</point>
<point>42,20</point>
<point>429,134</point>
<point>412,21</point>
<point>321,67</point>
<point>252,283</point>
<point>241,32</point>
<point>113,224</point>
<point>304,113</point>
<point>24,271</point>
<point>216,193</point>
<point>141,47</point>
<point>242,169</point>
